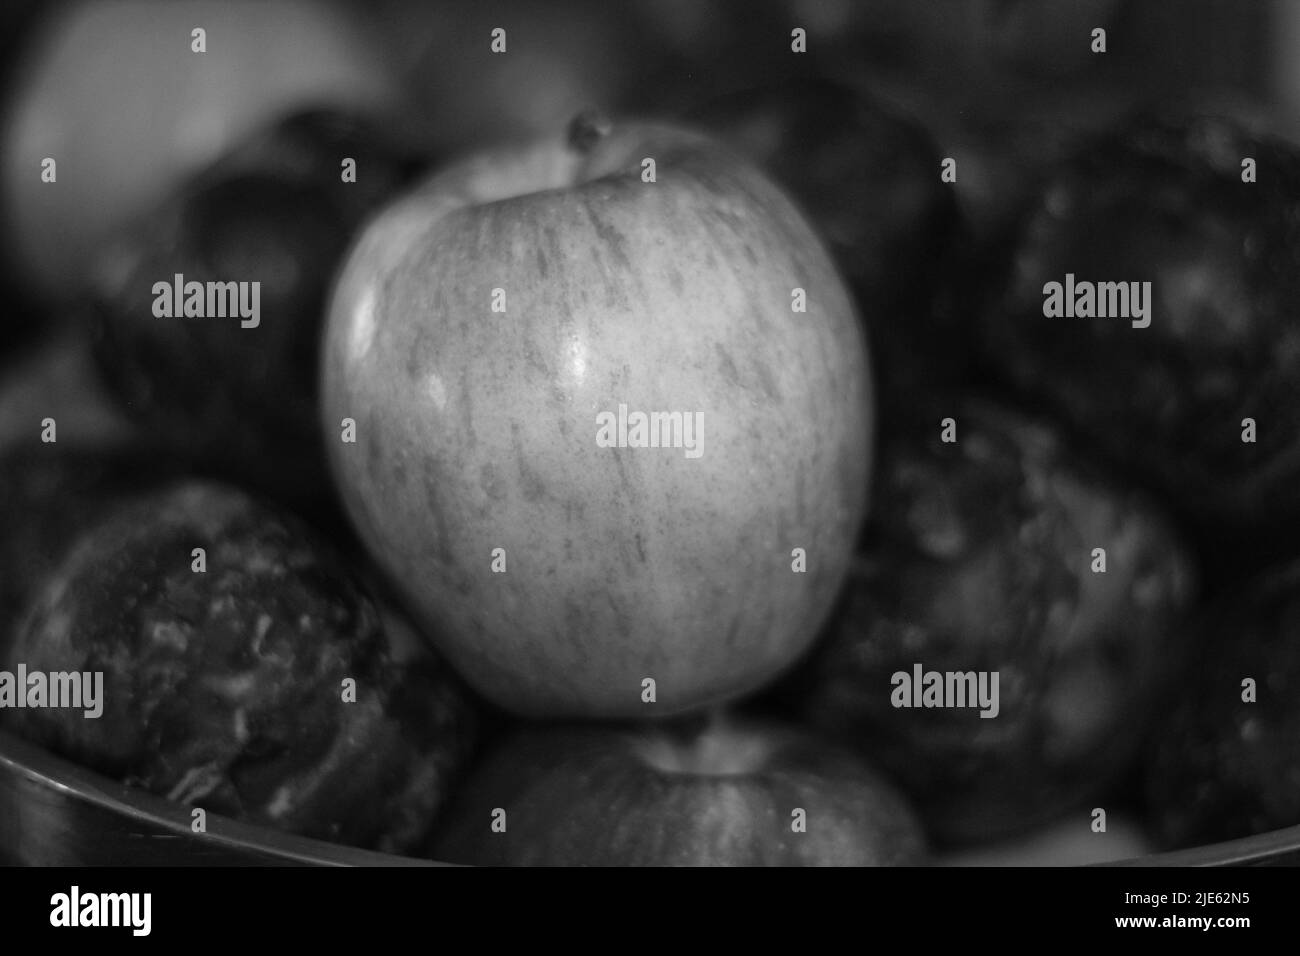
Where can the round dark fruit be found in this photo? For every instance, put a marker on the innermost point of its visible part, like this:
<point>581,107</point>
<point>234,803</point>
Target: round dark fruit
<point>1199,215</point>
<point>1045,599</point>
<point>256,678</point>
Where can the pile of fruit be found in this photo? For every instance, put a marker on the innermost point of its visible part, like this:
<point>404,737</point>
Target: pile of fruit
<point>430,463</point>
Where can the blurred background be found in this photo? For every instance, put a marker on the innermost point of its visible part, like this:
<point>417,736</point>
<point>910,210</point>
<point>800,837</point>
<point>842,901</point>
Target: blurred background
<point>1001,84</point>
<point>1004,86</point>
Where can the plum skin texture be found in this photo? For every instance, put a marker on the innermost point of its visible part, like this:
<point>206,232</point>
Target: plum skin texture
<point>1220,768</point>
<point>1162,200</point>
<point>224,689</point>
<point>980,560</point>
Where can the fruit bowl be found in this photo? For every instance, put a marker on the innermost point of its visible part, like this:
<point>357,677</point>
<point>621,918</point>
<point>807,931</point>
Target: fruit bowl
<point>414,440</point>
<point>54,813</point>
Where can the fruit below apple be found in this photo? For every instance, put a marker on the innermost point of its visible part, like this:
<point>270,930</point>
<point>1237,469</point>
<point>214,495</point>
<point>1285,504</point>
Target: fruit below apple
<point>738,794</point>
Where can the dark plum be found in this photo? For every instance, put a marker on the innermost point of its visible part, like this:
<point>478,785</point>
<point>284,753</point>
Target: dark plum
<point>1162,200</point>
<point>1221,767</point>
<point>50,496</point>
<point>981,559</point>
<point>243,400</point>
<point>224,688</point>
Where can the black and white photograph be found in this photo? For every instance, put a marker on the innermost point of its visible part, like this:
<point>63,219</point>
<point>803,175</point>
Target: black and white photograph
<point>655,435</point>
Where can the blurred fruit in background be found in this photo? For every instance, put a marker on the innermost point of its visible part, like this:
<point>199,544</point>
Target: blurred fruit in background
<point>225,686</point>
<point>559,59</point>
<point>1284,75</point>
<point>699,49</point>
<point>1007,87</point>
<point>57,379</point>
<point>1163,201</point>
<point>1040,38</point>
<point>983,561</point>
<point>50,497</point>
<point>52,490</point>
<point>1220,766</point>
<point>275,210</point>
<point>48,500</point>
<point>18,18</point>
<point>115,94</point>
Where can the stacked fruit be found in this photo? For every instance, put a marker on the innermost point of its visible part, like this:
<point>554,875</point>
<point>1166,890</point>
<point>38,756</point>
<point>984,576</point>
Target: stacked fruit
<point>705,490</point>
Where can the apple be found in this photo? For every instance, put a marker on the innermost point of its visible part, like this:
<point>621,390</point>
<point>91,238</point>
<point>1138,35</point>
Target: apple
<point>1223,761</point>
<point>118,97</point>
<point>1162,200</point>
<point>983,560</point>
<point>559,574</point>
<point>225,687</point>
<point>729,793</point>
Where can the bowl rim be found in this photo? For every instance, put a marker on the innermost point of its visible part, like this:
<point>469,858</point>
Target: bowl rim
<point>21,760</point>
<point>24,762</point>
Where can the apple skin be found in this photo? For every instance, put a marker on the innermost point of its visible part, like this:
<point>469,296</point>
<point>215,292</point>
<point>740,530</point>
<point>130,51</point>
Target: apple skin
<point>477,430</point>
<point>654,796</point>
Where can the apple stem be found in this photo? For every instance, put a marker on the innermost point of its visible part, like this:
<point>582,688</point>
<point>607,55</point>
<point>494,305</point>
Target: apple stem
<point>588,128</point>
